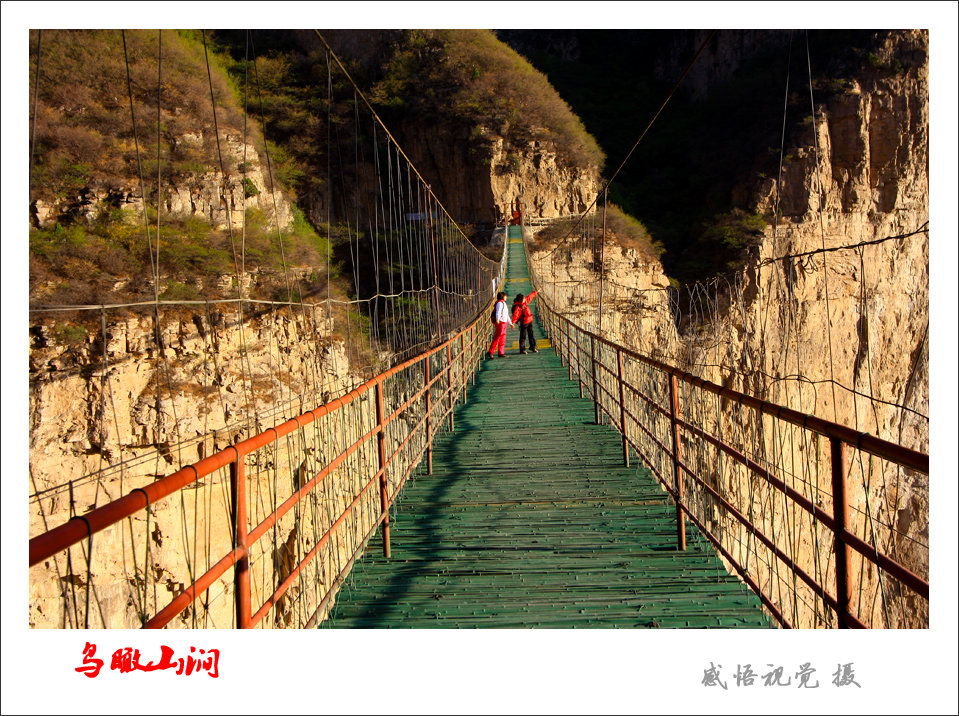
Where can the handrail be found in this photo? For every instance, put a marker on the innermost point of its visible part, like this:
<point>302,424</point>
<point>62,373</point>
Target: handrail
<point>662,424</point>
<point>906,457</point>
<point>544,220</point>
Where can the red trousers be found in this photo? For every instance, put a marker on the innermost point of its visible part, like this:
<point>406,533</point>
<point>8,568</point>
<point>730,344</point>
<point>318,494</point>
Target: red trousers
<point>499,339</point>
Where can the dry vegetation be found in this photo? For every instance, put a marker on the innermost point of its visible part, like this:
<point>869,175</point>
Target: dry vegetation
<point>85,136</point>
<point>86,144</point>
<point>621,229</point>
<point>469,76</point>
<point>108,260</point>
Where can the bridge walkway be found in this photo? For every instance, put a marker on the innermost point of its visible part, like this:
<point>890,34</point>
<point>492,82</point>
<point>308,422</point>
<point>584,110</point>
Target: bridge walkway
<point>530,520</point>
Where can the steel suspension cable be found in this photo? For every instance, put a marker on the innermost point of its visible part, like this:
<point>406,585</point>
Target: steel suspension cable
<point>246,369</point>
<point>329,193</point>
<point>154,267</point>
<point>36,100</point>
<point>820,199</point>
<point>386,130</point>
<point>782,140</point>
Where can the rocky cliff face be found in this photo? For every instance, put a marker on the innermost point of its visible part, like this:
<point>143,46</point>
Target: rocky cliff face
<point>121,409</point>
<point>478,190</point>
<point>865,184</point>
<point>546,187</point>
<point>719,60</point>
<point>869,175</point>
<point>213,196</point>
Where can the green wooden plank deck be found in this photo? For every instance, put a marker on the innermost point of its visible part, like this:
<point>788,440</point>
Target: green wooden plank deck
<point>530,520</point>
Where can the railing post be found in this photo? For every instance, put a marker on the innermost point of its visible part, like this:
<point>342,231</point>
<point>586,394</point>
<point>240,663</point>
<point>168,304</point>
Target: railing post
<point>554,322</point>
<point>473,362</point>
<point>592,370</point>
<point>449,384</point>
<point>241,571</point>
<point>579,365</point>
<point>381,447</point>
<point>463,365</point>
<point>561,352</point>
<point>429,419</point>
<point>622,406</point>
<point>554,338</point>
<point>436,287</point>
<point>840,515</point>
<point>677,459</point>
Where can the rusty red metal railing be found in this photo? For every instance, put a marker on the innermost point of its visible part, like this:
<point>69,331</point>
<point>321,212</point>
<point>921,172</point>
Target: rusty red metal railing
<point>746,473</point>
<point>391,419</point>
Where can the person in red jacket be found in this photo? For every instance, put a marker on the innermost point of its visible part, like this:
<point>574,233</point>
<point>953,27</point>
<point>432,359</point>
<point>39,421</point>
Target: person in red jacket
<point>524,317</point>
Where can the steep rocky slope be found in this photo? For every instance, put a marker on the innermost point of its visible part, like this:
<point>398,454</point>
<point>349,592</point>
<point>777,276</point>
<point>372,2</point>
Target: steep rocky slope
<point>90,154</point>
<point>531,173</point>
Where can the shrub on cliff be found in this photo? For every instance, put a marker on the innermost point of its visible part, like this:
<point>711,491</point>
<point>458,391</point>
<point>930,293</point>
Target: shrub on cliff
<point>110,257</point>
<point>84,134</point>
<point>86,146</point>
<point>621,229</point>
<point>470,77</point>
<point>727,243</point>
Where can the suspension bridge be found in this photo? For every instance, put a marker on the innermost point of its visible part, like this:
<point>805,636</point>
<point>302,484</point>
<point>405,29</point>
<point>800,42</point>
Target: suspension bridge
<point>587,484</point>
<point>530,519</point>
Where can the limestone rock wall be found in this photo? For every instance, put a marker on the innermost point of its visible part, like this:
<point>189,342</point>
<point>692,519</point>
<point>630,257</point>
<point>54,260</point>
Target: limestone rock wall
<point>636,298</point>
<point>719,60</point>
<point>534,175</point>
<point>477,189</point>
<point>120,409</point>
<point>214,196</point>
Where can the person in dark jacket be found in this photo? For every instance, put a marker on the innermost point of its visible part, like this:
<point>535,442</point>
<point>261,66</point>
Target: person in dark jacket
<point>524,318</point>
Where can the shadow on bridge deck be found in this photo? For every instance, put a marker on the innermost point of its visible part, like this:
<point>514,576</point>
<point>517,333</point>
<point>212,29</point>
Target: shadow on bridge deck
<point>530,520</point>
